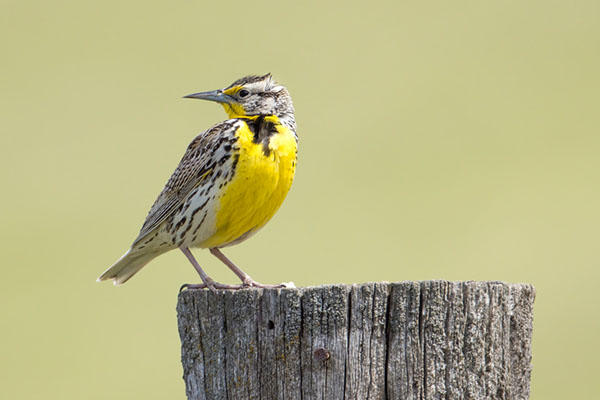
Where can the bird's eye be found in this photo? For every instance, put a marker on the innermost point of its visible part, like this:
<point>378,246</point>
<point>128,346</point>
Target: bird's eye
<point>243,93</point>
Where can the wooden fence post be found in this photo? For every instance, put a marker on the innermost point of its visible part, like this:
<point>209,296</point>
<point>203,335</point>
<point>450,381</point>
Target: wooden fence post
<point>407,340</point>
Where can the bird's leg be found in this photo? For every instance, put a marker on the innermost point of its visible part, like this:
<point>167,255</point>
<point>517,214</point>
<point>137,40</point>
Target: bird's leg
<point>246,280</point>
<point>208,282</point>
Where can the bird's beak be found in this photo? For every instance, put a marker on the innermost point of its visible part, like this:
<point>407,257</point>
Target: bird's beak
<point>213,95</point>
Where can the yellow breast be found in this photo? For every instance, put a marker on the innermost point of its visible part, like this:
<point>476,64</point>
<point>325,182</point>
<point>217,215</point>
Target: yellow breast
<point>262,179</point>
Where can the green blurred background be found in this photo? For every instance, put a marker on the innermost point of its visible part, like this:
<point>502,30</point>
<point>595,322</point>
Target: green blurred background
<point>439,140</point>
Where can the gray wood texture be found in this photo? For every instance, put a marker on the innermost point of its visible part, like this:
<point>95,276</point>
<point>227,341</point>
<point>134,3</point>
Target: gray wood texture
<point>407,340</point>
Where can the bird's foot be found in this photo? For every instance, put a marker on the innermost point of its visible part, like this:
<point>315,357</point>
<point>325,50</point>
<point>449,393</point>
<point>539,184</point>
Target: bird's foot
<point>249,283</point>
<point>210,284</point>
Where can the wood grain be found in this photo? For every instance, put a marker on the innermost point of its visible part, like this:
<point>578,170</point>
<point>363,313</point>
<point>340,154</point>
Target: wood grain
<point>407,340</point>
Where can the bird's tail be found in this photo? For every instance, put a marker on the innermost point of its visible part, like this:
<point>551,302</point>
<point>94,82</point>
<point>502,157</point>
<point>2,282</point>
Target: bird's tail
<point>127,266</point>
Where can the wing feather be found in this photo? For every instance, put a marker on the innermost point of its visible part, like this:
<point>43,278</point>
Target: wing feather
<point>194,169</point>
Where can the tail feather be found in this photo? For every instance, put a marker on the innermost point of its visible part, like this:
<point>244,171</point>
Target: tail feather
<point>127,266</point>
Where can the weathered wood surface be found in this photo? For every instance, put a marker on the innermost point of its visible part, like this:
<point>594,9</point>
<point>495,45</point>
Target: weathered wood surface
<point>408,340</point>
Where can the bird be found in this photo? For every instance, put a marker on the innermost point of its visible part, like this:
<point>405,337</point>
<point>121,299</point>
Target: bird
<point>231,180</point>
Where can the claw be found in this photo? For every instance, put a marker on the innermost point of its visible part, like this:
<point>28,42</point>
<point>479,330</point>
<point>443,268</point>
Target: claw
<point>189,286</point>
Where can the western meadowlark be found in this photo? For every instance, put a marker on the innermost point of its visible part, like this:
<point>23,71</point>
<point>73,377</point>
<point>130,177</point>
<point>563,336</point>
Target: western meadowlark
<point>229,183</point>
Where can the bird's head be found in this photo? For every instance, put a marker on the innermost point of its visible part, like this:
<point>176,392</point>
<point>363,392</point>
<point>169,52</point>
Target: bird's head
<point>251,95</point>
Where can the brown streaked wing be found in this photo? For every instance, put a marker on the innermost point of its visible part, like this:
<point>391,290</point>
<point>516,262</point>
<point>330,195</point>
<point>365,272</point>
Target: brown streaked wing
<point>195,167</point>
